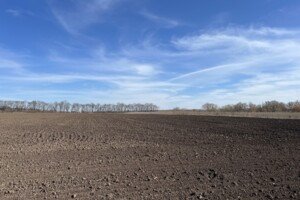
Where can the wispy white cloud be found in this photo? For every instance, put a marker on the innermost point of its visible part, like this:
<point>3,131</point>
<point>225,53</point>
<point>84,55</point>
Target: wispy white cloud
<point>9,64</point>
<point>168,23</point>
<point>15,13</point>
<point>59,78</point>
<point>18,13</point>
<point>9,61</point>
<point>100,61</point>
<point>268,31</point>
<point>211,69</point>
<point>82,14</point>
<point>242,40</point>
<point>144,69</point>
<point>219,42</point>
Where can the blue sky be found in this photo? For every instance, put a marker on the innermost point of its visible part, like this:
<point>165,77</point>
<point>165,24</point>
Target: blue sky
<point>171,53</point>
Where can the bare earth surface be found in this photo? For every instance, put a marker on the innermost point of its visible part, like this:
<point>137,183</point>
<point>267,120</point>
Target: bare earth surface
<point>119,156</point>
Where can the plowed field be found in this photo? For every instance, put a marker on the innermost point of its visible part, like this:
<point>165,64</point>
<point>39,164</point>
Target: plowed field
<point>119,156</point>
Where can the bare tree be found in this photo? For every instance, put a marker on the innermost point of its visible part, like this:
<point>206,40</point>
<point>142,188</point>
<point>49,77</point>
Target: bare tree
<point>239,107</point>
<point>252,107</point>
<point>210,107</point>
<point>273,106</point>
<point>293,106</point>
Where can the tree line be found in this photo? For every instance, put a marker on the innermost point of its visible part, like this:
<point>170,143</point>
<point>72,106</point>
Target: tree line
<point>65,106</point>
<point>268,106</point>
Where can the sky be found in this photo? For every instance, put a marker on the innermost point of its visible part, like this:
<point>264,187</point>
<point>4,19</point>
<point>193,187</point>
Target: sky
<point>171,53</point>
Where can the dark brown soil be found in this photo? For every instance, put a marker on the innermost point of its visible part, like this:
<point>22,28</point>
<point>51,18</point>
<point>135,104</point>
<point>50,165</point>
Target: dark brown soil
<point>119,156</point>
